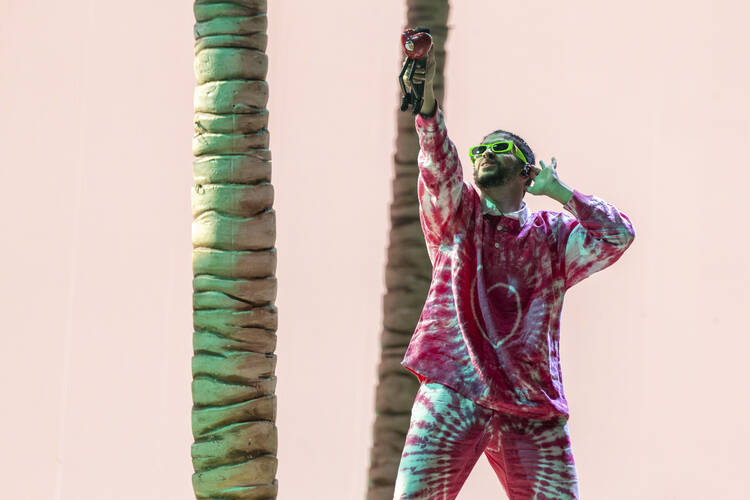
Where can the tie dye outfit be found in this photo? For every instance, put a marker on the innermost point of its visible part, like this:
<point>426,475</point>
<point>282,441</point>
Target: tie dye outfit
<point>532,458</point>
<point>490,327</point>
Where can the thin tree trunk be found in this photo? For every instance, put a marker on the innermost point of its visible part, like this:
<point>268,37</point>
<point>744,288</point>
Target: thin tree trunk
<point>234,259</point>
<point>407,275</point>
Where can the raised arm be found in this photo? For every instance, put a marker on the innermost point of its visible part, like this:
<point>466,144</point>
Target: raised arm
<point>440,183</point>
<point>593,240</point>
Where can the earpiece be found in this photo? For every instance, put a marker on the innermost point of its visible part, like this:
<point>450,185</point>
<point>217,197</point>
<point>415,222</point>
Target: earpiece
<point>525,172</point>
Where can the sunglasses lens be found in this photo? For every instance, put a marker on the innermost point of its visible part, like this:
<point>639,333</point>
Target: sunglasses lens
<point>478,150</point>
<point>501,147</point>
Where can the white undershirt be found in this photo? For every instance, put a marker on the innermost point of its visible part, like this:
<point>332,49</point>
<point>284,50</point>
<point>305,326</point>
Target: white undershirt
<point>488,207</point>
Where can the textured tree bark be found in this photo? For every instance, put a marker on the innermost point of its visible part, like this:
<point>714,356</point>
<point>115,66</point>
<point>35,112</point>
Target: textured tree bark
<point>234,258</point>
<point>407,275</point>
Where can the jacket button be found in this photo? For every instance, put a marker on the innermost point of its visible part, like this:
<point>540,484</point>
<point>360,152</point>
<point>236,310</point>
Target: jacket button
<point>497,245</point>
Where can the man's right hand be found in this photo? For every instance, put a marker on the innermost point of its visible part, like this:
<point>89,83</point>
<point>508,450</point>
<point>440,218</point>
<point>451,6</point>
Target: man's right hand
<point>426,75</point>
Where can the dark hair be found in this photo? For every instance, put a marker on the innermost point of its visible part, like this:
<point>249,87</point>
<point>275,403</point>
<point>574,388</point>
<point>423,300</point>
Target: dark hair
<point>525,149</point>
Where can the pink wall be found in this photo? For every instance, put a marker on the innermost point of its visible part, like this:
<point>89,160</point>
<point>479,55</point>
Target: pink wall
<point>645,106</point>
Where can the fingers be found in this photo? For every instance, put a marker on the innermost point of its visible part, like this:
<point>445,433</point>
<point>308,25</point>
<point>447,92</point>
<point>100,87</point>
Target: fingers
<point>417,78</point>
<point>421,75</point>
<point>551,165</point>
<point>405,80</point>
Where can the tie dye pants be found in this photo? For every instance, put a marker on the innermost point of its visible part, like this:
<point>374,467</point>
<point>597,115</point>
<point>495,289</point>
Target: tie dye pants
<point>532,458</point>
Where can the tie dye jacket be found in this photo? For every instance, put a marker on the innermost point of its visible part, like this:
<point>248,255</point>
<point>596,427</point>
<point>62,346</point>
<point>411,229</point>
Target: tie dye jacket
<point>490,326</point>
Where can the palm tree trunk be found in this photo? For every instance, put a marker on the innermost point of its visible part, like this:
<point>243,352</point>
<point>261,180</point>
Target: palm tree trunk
<point>407,275</point>
<point>234,258</point>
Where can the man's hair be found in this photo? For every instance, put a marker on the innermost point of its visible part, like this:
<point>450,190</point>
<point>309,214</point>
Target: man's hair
<point>525,149</point>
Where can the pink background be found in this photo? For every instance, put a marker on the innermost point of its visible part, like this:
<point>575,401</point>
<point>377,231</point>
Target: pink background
<point>644,104</point>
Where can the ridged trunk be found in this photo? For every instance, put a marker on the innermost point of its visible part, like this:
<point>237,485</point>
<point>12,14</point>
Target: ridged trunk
<point>234,258</point>
<point>407,274</point>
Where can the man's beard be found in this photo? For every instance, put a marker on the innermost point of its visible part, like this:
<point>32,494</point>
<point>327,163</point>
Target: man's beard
<point>501,175</point>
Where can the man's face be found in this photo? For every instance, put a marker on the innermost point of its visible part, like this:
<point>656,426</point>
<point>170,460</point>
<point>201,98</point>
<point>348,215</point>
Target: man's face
<point>492,169</point>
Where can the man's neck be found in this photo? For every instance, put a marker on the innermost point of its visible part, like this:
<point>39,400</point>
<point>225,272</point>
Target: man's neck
<point>506,198</point>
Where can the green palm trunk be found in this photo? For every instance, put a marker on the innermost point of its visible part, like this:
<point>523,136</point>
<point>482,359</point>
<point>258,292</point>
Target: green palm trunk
<point>234,259</point>
<point>407,275</point>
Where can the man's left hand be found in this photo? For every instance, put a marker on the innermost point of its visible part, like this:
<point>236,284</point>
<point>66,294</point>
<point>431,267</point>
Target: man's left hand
<point>546,182</point>
<point>545,179</point>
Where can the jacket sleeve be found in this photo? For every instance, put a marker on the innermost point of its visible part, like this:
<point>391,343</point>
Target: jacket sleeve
<point>593,240</point>
<point>440,184</point>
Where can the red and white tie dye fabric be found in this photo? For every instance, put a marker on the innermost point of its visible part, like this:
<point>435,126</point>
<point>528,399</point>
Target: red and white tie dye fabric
<point>447,433</point>
<point>490,327</point>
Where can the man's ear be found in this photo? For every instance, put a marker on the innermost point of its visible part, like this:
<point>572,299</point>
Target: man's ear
<point>527,173</point>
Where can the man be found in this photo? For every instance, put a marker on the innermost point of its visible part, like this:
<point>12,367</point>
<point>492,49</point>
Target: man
<point>486,347</point>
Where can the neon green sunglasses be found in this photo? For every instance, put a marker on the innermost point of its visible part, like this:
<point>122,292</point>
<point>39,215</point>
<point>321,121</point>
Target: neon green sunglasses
<point>498,147</point>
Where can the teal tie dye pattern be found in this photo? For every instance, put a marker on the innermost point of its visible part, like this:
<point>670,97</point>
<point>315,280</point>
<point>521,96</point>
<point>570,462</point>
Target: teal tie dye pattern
<point>532,458</point>
<point>490,327</point>
<point>487,344</point>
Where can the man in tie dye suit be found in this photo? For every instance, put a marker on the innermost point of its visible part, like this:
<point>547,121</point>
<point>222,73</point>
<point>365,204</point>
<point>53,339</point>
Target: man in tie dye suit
<point>486,347</point>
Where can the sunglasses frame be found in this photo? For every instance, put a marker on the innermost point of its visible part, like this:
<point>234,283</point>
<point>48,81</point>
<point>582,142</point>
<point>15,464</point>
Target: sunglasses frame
<point>510,146</point>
